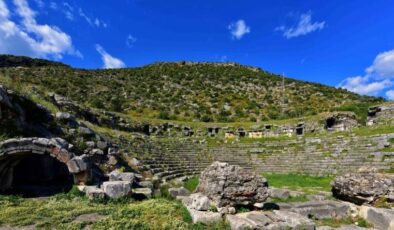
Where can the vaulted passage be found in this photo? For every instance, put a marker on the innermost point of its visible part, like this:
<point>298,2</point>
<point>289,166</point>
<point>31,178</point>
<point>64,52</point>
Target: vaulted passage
<point>35,175</point>
<point>330,122</point>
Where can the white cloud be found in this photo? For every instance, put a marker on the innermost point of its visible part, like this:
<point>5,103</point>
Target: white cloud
<point>68,11</point>
<point>92,21</point>
<point>377,77</point>
<point>27,37</point>
<point>383,65</point>
<point>130,41</point>
<point>238,29</point>
<point>390,95</point>
<point>365,85</point>
<point>109,61</point>
<point>303,27</point>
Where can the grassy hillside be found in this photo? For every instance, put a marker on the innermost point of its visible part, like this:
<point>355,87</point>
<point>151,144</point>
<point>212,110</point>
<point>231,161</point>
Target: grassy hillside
<point>20,61</point>
<point>208,92</point>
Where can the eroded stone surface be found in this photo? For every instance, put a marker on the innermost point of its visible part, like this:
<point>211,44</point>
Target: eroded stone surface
<point>366,186</point>
<point>319,209</point>
<point>142,193</point>
<point>116,189</point>
<point>199,202</point>
<point>204,217</point>
<point>117,175</point>
<point>230,185</point>
<point>174,192</point>
<point>269,220</point>
<point>381,218</point>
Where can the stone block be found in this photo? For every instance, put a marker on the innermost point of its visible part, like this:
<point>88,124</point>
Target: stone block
<point>174,192</point>
<point>116,189</point>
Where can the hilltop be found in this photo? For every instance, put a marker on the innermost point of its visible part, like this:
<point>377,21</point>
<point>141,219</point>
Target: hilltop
<point>22,61</point>
<point>183,91</point>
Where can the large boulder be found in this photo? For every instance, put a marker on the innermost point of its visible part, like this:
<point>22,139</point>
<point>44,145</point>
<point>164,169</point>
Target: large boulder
<point>366,186</point>
<point>231,185</point>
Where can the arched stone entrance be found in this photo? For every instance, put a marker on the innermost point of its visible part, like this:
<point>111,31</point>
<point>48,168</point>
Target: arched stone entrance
<point>39,167</point>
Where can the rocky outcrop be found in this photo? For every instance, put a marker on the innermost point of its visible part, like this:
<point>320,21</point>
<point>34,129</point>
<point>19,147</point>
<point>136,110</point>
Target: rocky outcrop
<point>269,220</point>
<point>366,186</point>
<point>381,114</point>
<point>230,185</point>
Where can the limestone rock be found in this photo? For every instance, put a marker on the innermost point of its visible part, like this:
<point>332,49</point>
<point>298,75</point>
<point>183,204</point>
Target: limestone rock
<point>102,145</point>
<point>142,193</point>
<point>78,164</point>
<point>282,194</point>
<point>94,193</point>
<point>146,184</point>
<point>174,192</point>
<point>269,220</point>
<point>97,152</point>
<point>319,209</point>
<point>230,185</point>
<point>116,189</point>
<point>113,151</point>
<point>64,116</point>
<point>204,217</point>
<point>136,162</point>
<point>381,218</point>
<point>199,202</point>
<point>85,131</point>
<point>364,187</point>
<point>117,175</point>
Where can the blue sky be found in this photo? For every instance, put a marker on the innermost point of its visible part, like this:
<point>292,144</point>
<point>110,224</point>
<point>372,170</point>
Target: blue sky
<point>346,44</point>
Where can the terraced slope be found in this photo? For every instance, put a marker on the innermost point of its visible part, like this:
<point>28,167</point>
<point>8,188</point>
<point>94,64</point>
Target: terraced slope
<point>311,155</point>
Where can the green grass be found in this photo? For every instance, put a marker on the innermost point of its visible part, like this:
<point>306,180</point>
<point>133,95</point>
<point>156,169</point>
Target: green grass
<point>58,212</point>
<point>191,184</point>
<point>375,130</point>
<point>297,181</point>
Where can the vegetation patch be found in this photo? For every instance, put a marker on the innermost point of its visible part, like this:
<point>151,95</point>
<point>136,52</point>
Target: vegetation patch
<point>297,181</point>
<point>191,184</point>
<point>60,212</point>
